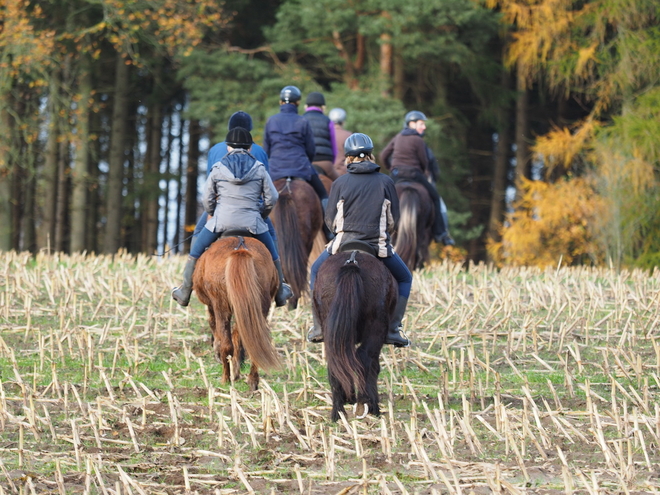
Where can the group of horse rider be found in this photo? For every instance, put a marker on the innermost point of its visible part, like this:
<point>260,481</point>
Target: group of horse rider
<point>363,204</point>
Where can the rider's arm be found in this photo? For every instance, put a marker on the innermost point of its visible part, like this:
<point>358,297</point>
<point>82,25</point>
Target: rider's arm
<point>333,139</point>
<point>390,193</point>
<point>269,192</point>
<point>310,146</point>
<point>209,195</point>
<point>386,155</point>
<point>331,209</point>
<point>434,169</point>
<point>420,150</point>
<point>266,145</point>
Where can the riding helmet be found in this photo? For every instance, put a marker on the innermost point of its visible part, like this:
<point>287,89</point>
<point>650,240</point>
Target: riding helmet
<point>337,115</point>
<point>358,144</point>
<point>240,119</point>
<point>290,94</point>
<point>315,99</point>
<point>413,116</point>
<point>239,137</point>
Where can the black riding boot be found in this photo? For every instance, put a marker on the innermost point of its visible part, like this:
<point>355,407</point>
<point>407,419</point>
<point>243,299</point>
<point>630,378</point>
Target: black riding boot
<point>182,293</point>
<point>329,235</point>
<point>284,291</point>
<point>440,228</point>
<point>394,336</point>
<point>315,334</point>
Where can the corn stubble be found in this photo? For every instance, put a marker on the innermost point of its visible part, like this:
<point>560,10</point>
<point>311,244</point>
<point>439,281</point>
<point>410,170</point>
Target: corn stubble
<point>519,379</point>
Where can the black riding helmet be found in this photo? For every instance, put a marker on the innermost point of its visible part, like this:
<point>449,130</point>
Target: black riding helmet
<point>290,94</point>
<point>413,116</point>
<point>239,137</point>
<point>358,144</point>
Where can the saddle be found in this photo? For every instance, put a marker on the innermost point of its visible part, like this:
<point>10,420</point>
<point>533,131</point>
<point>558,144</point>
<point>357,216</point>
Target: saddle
<point>239,234</point>
<point>236,233</point>
<point>356,245</point>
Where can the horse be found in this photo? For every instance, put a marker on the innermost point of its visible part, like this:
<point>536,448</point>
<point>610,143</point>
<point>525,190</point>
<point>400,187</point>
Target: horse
<point>320,241</point>
<point>413,233</point>
<point>297,218</point>
<point>353,300</point>
<point>236,277</point>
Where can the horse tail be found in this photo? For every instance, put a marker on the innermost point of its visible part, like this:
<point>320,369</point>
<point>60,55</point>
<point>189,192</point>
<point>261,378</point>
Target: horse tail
<point>406,239</point>
<point>342,324</point>
<point>245,293</point>
<point>290,243</point>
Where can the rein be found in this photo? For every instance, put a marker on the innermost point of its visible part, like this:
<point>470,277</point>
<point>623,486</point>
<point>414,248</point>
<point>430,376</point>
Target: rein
<point>173,247</point>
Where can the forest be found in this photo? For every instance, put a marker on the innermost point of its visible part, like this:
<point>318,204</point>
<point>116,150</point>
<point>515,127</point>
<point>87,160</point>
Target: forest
<point>544,114</point>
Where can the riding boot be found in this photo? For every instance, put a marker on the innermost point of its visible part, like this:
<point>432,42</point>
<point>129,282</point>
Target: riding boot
<point>315,334</point>
<point>182,293</point>
<point>394,336</point>
<point>440,232</point>
<point>329,235</point>
<point>284,291</point>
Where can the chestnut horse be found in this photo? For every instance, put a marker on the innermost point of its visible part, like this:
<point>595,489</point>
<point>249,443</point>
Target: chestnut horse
<point>236,276</point>
<point>297,218</point>
<point>354,298</point>
<point>413,233</point>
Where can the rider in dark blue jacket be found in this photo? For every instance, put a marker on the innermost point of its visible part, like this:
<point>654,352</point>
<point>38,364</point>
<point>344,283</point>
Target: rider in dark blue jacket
<point>289,143</point>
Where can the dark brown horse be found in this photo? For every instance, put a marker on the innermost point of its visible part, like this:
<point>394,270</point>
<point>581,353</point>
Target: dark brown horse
<point>413,234</point>
<point>297,218</point>
<point>354,298</point>
<point>236,276</point>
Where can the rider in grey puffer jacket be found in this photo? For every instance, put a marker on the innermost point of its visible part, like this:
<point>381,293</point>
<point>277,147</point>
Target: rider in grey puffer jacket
<point>238,194</point>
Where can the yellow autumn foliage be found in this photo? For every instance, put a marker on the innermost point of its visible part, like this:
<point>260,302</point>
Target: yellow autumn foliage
<point>552,223</point>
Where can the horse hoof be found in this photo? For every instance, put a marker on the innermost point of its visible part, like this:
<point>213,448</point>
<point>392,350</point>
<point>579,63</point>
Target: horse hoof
<point>365,410</point>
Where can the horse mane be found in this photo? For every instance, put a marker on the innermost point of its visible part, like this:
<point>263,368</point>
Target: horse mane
<point>245,297</point>
<point>343,319</point>
<point>406,238</point>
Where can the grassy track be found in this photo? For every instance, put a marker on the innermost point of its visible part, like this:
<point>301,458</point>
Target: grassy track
<point>519,381</point>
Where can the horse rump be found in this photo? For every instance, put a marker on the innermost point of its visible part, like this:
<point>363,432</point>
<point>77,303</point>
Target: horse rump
<point>353,302</point>
<point>240,282</point>
<point>414,227</point>
<point>297,218</point>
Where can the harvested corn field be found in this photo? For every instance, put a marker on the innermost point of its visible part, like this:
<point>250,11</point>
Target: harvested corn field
<point>518,381</point>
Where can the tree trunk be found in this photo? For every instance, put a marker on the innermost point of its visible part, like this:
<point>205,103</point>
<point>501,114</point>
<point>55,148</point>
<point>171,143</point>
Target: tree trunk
<point>29,239</point>
<point>62,204</point>
<point>151,190</point>
<point>80,172</point>
<point>192,173</point>
<point>399,75</point>
<point>522,130</point>
<point>93,241</point>
<point>179,194</point>
<point>386,62</point>
<point>501,165</point>
<point>169,179</point>
<point>46,235</point>
<point>116,160</point>
<point>5,176</point>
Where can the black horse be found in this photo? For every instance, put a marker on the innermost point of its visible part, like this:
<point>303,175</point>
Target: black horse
<point>353,300</point>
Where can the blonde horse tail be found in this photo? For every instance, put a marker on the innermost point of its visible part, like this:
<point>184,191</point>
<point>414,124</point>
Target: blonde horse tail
<point>406,239</point>
<point>246,295</point>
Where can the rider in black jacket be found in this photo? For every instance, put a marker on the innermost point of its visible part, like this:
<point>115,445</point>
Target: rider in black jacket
<point>363,205</point>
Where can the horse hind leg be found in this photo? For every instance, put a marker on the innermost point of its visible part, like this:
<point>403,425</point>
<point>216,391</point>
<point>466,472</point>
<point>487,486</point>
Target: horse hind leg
<point>253,378</point>
<point>223,345</point>
<point>369,355</point>
<point>338,398</point>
